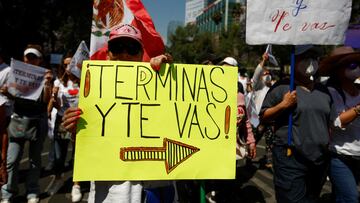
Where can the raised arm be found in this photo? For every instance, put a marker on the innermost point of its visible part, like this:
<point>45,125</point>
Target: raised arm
<point>258,72</point>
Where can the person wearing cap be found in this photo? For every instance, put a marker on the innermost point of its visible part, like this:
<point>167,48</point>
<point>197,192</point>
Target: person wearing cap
<point>343,67</point>
<point>25,111</point>
<point>124,44</point>
<point>230,61</point>
<point>300,165</point>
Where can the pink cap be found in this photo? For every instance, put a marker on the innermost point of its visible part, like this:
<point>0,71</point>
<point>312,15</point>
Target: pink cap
<point>126,30</point>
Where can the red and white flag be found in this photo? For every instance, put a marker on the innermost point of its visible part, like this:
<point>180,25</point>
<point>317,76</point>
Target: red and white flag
<point>110,13</point>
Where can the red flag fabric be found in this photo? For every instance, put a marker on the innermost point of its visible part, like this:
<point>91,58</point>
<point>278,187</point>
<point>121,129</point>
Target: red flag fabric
<point>153,43</point>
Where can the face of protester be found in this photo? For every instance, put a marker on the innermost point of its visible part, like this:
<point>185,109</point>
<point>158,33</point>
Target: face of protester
<point>66,62</point>
<point>32,59</point>
<point>349,71</point>
<point>266,78</point>
<point>125,49</point>
<point>306,67</point>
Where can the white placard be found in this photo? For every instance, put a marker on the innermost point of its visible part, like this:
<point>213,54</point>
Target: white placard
<point>81,54</point>
<point>297,21</point>
<point>25,80</point>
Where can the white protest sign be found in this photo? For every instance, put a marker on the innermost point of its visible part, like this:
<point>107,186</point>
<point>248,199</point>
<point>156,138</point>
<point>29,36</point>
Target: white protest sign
<point>272,58</point>
<point>25,80</point>
<point>297,21</point>
<point>81,54</point>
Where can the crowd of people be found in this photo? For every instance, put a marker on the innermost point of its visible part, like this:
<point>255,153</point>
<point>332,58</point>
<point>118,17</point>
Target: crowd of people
<point>324,107</point>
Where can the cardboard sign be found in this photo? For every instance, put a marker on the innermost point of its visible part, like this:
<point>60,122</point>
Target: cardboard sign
<point>297,21</point>
<point>25,80</point>
<point>137,124</point>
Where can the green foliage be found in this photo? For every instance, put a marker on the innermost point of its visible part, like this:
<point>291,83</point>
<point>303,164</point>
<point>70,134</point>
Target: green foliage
<point>188,45</point>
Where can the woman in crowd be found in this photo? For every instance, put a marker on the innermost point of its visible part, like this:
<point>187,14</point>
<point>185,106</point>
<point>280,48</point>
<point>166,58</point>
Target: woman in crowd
<point>65,94</point>
<point>343,68</point>
<point>31,116</point>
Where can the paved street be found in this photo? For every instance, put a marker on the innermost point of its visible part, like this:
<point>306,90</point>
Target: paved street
<point>253,183</point>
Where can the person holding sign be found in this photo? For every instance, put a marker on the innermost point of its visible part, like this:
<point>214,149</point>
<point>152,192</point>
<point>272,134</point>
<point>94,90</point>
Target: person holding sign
<point>28,123</point>
<point>300,175</point>
<point>124,44</point>
<point>65,94</point>
<point>343,68</point>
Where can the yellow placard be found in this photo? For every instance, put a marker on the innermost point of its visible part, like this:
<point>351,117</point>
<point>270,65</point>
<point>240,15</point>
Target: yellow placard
<point>137,124</point>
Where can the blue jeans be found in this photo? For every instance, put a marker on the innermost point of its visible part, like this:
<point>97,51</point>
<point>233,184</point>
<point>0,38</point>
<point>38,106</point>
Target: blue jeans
<point>14,154</point>
<point>344,176</point>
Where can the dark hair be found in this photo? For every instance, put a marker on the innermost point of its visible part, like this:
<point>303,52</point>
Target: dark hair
<point>240,88</point>
<point>334,82</point>
<point>61,69</point>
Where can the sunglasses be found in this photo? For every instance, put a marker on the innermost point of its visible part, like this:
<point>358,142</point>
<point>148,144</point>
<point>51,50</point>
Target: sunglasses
<point>352,66</point>
<point>129,46</point>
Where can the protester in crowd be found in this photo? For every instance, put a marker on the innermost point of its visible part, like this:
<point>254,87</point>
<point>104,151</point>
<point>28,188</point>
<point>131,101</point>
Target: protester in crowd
<point>261,83</point>
<point>257,89</point>
<point>52,112</point>
<point>343,68</point>
<point>245,138</point>
<point>65,94</point>
<point>245,143</point>
<point>31,116</point>
<point>5,112</point>
<point>300,166</point>
<point>125,44</point>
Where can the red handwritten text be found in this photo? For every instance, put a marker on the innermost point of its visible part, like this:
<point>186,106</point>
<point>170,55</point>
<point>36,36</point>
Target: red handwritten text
<point>316,26</point>
<point>279,17</point>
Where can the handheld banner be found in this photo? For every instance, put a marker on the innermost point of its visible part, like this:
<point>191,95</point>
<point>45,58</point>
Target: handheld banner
<point>25,80</point>
<point>137,124</point>
<point>297,22</point>
<point>81,54</point>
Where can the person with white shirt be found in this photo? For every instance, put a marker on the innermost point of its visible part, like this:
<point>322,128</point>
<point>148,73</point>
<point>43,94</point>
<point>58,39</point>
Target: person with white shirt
<point>65,94</point>
<point>343,67</point>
